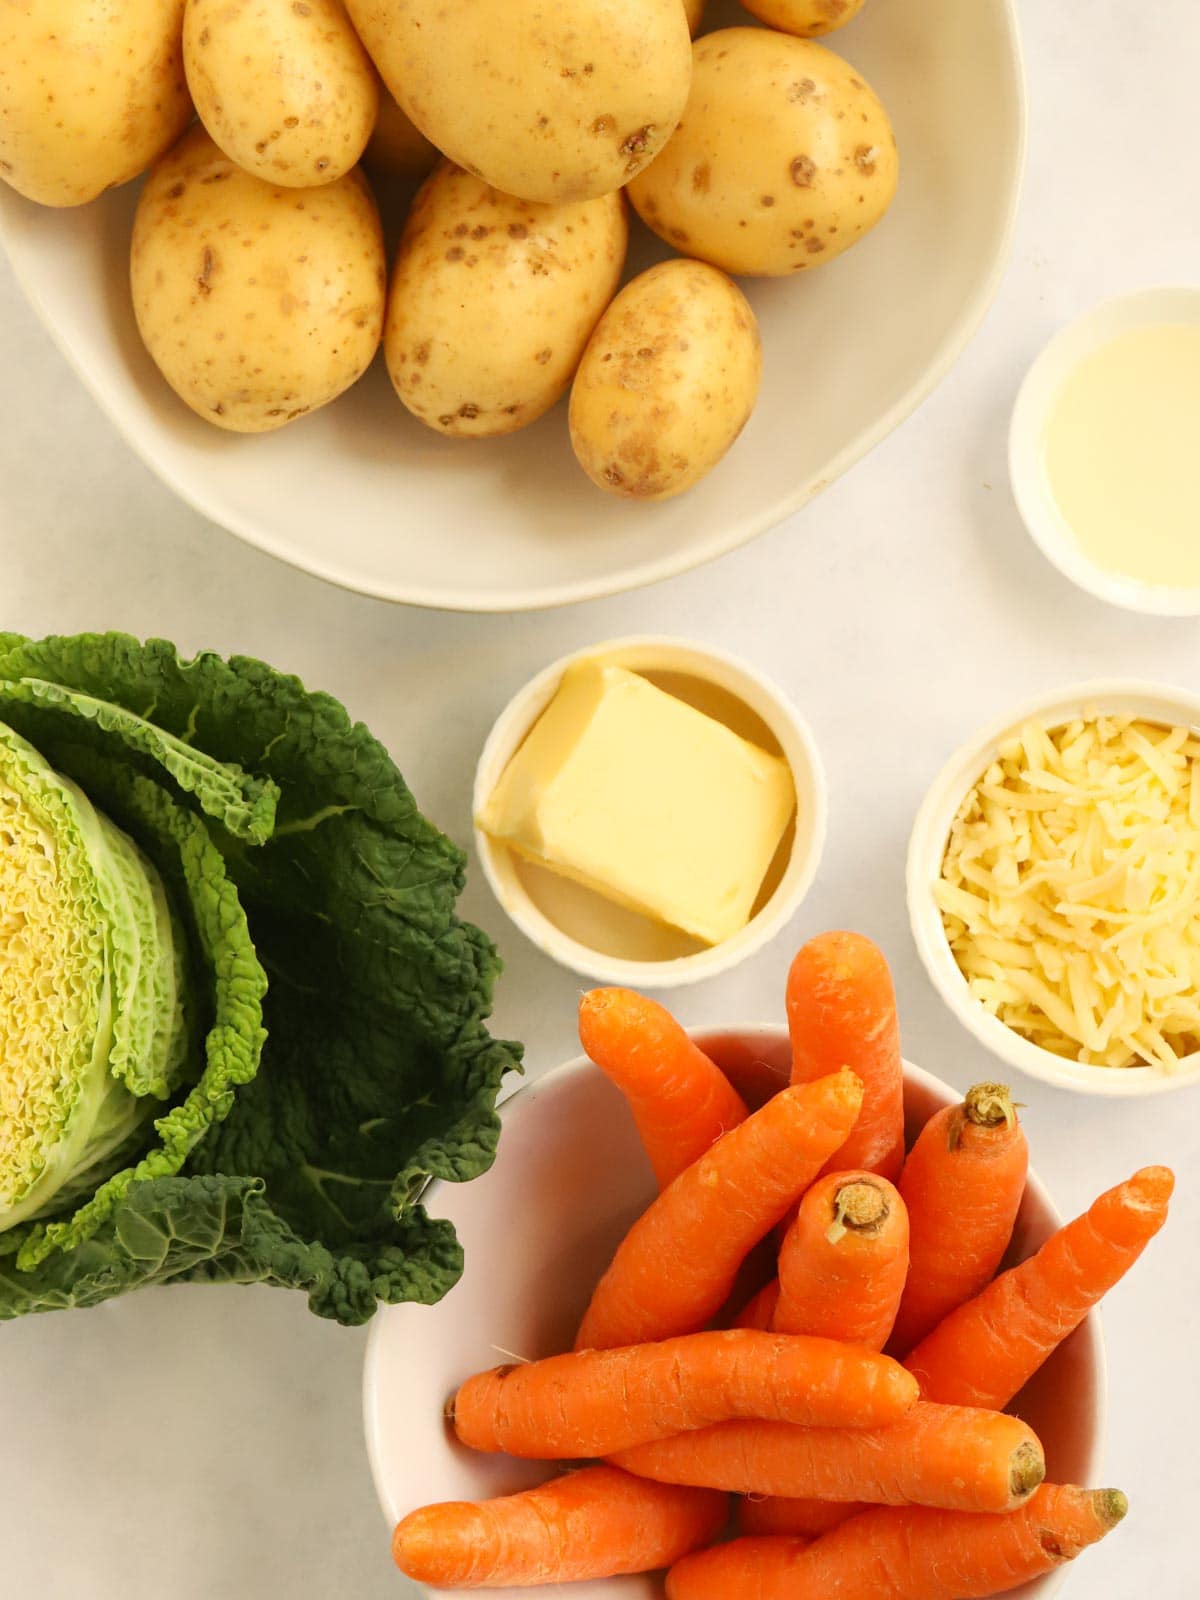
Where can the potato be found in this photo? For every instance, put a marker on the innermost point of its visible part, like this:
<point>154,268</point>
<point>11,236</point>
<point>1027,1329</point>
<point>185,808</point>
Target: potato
<point>286,90</point>
<point>667,382</point>
<point>397,148</point>
<point>493,300</point>
<point>90,95</point>
<point>565,102</point>
<point>806,18</point>
<point>258,303</point>
<point>784,159</point>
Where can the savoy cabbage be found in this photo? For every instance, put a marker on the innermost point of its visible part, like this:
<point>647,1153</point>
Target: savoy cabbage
<point>337,1005</point>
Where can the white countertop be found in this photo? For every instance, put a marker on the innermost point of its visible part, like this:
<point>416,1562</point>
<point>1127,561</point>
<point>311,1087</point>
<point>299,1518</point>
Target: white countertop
<point>204,1444</point>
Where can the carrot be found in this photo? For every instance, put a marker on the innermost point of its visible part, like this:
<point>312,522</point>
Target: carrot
<point>597,1401</point>
<point>911,1554</point>
<point>591,1524</point>
<point>676,1266</point>
<point>841,1010</point>
<point>843,1261</point>
<point>681,1102</point>
<point>841,1275</point>
<point>776,1514</point>
<point>984,1353</point>
<point>760,1311</point>
<point>945,1456</point>
<point>962,1183</point>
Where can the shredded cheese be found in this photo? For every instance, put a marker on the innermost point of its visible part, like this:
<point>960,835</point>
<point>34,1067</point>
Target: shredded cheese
<point>1070,890</point>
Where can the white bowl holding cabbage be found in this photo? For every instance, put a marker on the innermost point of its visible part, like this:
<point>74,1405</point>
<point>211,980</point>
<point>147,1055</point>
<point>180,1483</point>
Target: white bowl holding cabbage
<point>241,1026</point>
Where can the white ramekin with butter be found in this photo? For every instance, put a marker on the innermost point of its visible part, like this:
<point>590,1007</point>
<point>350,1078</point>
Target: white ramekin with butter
<point>650,811</point>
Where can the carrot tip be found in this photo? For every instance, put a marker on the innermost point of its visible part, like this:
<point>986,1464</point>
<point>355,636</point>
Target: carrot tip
<point>862,1203</point>
<point>1157,1183</point>
<point>401,1553</point>
<point>858,1206</point>
<point>1111,1506</point>
<point>1028,1469</point>
<point>989,1104</point>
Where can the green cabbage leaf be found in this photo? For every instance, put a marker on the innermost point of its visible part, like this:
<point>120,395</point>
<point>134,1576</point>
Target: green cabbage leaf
<point>317,903</point>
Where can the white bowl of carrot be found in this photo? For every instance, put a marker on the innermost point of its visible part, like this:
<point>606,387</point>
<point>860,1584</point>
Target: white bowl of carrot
<point>565,1247</point>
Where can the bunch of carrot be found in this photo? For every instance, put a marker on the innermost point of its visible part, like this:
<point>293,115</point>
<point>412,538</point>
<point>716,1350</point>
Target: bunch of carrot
<point>853,1406</point>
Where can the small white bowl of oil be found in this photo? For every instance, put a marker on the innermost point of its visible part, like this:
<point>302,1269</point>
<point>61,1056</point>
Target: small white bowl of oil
<point>1104,447</point>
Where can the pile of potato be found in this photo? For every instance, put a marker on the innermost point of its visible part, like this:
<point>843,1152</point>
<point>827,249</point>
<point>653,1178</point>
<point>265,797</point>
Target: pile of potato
<point>259,276</point>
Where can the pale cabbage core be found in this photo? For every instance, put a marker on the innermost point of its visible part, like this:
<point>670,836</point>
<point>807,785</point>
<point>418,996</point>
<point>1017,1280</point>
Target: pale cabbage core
<point>91,1019</point>
<point>53,988</point>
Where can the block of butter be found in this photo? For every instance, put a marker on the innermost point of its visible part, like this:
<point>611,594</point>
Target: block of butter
<point>646,800</point>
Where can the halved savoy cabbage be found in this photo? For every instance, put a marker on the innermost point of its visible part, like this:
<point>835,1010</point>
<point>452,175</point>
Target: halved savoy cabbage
<point>241,1026</point>
<point>91,1002</point>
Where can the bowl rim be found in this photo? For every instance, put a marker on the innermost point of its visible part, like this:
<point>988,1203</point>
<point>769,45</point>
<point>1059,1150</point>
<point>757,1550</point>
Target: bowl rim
<point>637,576</point>
<point>1043,520</point>
<point>800,750</point>
<point>927,845</point>
<point>748,1032</point>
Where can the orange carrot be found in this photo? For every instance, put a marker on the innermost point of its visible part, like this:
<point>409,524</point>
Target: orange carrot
<point>910,1554</point>
<point>675,1268</point>
<point>841,1275</point>
<point>597,1401</point>
<point>984,1353</point>
<point>946,1456</point>
<point>842,1012</point>
<point>776,1514</point>
<point>962,1183</point>
<point>760,1311</point>
<point>590,1524</point>
<point>843,1261</point>
<point>680,1101</point>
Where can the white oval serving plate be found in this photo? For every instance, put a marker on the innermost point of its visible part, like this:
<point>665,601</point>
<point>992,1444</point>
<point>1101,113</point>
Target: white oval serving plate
<point>362,495</point>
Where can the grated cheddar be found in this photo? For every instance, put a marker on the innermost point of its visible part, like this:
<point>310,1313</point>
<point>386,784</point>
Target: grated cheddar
<point>1070,890</point>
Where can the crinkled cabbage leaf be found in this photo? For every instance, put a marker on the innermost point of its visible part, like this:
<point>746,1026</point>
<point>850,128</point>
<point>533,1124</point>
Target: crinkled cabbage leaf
<point>289,845</point>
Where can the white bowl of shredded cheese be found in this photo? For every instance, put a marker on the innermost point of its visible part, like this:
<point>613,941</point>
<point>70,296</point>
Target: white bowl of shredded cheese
<point>1054,887</point>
